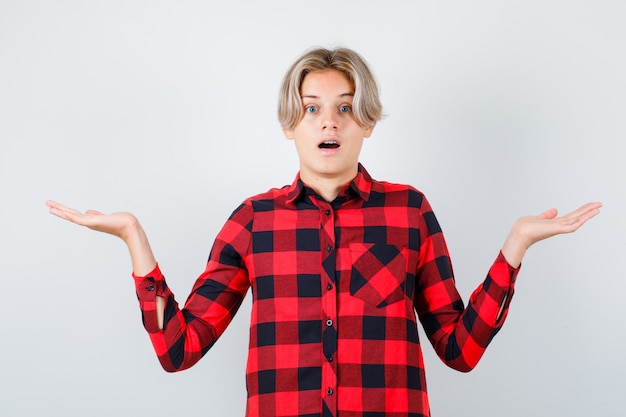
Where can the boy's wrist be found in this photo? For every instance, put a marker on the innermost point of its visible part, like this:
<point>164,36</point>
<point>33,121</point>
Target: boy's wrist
<point>514,249</point>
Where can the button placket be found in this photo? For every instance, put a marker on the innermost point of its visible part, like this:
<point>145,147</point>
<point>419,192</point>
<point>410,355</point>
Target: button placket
<point>329,305</point>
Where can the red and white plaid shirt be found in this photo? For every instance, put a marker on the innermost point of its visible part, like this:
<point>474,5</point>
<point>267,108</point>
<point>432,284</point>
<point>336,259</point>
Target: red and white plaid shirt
<point>335,290</point>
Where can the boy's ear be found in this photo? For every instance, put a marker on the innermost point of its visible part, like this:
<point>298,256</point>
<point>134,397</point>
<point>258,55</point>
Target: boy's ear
<point>368,131</point>
<point>288,133</point>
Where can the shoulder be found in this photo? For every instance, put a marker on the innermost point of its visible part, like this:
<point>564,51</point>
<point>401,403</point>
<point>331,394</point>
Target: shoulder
<point>398,194</point>
<point>265,201</point>
<point>269,197</point>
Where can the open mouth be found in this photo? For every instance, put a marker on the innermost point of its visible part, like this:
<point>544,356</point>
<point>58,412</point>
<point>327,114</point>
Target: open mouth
<point>329,144</point>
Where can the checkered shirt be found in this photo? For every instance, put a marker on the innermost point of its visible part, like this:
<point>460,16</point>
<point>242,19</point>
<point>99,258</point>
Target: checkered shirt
<point>336,288</point>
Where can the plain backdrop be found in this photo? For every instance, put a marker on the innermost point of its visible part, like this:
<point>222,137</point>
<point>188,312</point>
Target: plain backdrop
<point>495,109</point>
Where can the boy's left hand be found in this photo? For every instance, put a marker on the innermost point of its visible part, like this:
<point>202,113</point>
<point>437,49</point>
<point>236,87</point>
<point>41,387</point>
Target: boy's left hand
<point>529,230</point>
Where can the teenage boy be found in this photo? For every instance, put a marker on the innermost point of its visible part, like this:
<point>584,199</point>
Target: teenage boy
<point>338,263</point>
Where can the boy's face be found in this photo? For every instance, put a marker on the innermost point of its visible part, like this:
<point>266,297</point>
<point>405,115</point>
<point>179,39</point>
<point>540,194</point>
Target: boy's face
<point>328,138</point>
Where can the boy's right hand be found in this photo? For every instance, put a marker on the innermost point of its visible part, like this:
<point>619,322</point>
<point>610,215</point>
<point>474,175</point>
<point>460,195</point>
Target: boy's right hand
<point>119,224</point>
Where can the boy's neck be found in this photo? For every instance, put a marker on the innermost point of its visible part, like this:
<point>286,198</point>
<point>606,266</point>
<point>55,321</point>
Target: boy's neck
<point>328,194</point>
<point>327,188</point>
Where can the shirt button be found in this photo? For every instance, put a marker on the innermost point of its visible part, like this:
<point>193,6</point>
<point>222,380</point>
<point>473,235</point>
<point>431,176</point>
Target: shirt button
<point>329,322</point>
<point>329,359</point>
<point>329,391</point>
<point>329,287</point>
<point>328,212</point>
<point>150,287</point>
<point>329,248</point>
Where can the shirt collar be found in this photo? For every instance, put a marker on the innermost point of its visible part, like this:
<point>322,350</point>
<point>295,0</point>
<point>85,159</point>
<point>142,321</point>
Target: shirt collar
<point>359,186</point>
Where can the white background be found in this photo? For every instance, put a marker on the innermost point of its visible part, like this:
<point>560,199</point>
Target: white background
<point>496,109</point>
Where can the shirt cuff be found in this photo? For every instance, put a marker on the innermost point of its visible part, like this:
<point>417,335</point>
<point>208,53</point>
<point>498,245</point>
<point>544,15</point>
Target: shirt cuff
<point>503,274</point>
<point>150,285</point>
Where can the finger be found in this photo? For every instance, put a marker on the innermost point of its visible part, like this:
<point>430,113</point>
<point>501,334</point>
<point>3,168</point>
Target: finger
<point>584,210</point>
<point>65,212</point>
<point>584,217</point>
<point>548,214</point>
<point>53,204</point>
<point>587,207</point>
<point>577,218</point>
<point>58,208</point>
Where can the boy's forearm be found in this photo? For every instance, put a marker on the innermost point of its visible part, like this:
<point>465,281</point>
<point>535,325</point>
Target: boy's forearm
<point>142,258</point>
<point>143,262</point>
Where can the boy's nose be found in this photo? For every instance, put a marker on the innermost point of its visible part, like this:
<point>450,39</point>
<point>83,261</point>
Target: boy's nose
<point>330,120</point>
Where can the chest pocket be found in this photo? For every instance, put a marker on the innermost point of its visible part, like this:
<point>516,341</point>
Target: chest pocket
<point>378,273</point>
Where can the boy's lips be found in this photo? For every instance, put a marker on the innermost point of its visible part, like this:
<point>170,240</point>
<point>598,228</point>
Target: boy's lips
<point>329,143</point>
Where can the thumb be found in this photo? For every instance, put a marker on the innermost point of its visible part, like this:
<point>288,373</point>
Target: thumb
<point>549,214</point>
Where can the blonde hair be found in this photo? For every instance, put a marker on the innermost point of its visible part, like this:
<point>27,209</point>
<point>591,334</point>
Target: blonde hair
<point>367,108</point>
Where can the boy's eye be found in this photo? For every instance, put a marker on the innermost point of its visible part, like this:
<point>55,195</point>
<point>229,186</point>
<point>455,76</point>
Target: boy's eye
<point>311,109</point>
<point>345,109</point>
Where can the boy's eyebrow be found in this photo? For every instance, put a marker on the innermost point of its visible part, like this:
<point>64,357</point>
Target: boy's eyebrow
<point>316,97</point>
